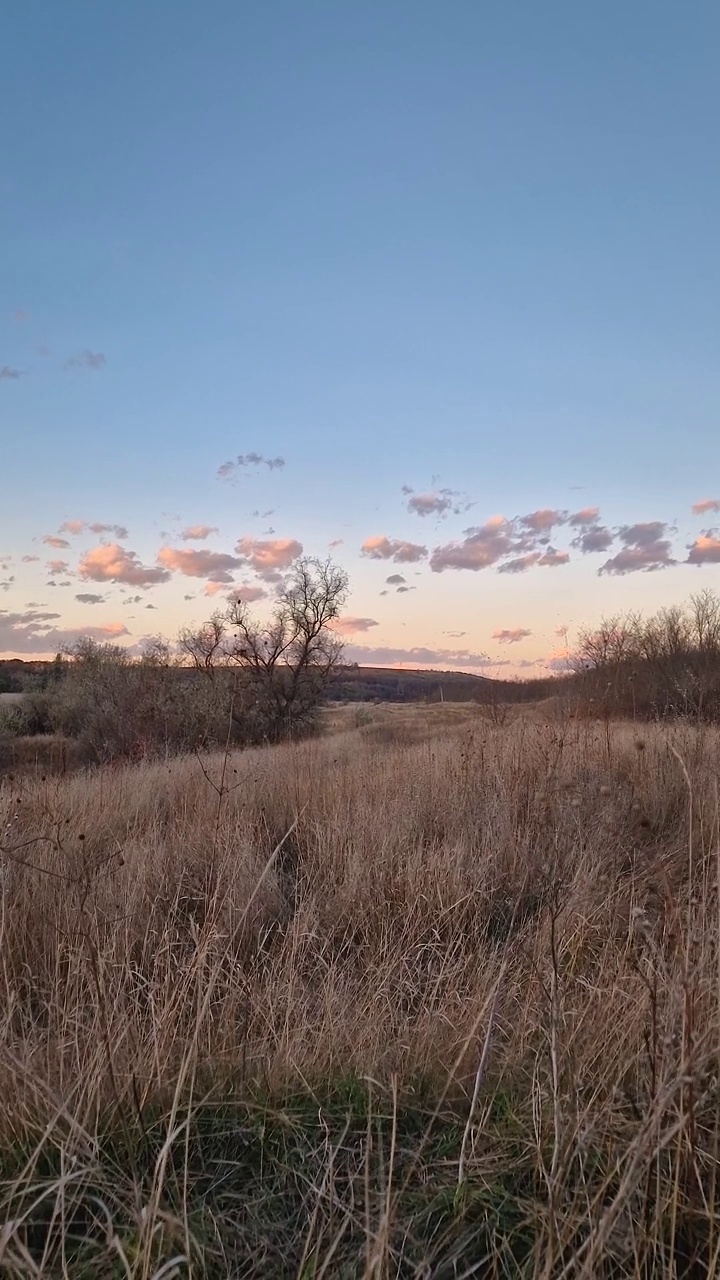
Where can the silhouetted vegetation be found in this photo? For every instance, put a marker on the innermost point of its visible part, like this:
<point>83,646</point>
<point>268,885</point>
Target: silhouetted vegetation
<point>650,668</point>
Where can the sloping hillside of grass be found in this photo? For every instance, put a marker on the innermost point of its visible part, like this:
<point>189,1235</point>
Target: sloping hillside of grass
<point>366,1006</point>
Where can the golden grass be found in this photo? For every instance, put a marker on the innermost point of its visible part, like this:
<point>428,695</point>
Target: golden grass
<point>511,932</point>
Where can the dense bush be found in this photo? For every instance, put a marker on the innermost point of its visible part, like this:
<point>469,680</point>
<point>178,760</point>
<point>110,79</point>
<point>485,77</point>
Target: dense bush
<point>119,707</point>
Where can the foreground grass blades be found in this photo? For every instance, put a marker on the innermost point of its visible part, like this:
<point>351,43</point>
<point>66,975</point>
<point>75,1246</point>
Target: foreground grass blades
<point>428,997</point>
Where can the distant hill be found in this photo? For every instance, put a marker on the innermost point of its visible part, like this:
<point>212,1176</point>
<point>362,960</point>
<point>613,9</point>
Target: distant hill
<point>393,684</point>
<point>359,684</point>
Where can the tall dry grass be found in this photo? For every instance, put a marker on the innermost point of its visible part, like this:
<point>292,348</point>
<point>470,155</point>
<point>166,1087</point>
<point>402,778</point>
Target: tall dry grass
<point>437,997</point>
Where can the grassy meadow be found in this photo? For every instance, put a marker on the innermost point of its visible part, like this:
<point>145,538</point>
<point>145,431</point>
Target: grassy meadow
<point>428,996</point>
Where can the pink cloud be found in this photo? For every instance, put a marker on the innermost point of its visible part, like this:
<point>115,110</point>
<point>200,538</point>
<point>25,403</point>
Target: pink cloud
<point>645,549</point>
<point>383,548</point>
<point>351,626</point>
<point>247,593</point>
<point>705,505</point>
<point>705,549</point>
<point>113,563</point>
<point>511,635</point>
<point>197,532</point>
<point>118,529</point>
<point>73,526</point>
<point>543,521</point>
<point>587,515</point>
<point>267,556</point>
<point>431,504</point>
<point>57,566</point>
<point>482,547</point>
<point>553,559</point>
<point>59,543</point>
<point>216,565</point>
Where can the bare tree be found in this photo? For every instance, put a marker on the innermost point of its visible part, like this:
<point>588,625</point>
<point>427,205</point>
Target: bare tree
<point>277,673</point>
<point>668,664</point>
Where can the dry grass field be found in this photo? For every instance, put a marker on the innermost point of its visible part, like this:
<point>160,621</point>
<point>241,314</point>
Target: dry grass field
<point>427,997</point>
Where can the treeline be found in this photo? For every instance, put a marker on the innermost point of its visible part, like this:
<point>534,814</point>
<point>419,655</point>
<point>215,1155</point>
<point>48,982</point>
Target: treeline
<point>230,682</point>
<point>652,667</point>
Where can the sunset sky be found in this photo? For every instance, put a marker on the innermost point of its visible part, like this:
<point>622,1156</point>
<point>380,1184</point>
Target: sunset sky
<point>430,287</point>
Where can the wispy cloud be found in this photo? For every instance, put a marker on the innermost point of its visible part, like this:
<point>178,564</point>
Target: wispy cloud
<point>8,374</point>
<point>33,631</point>
<point>198,532</point>
<point>215,565</point>
<point>75,527</point>
<point>511,635</point>
<point>29,559</point>
<point>86,360</point>
<point>113,563</point>
<point>20,314</point>
<point>351,626</point>
<point>384,548</point>
<point>51,540</point>
<point>435,502</point>
<point>56,567</point>
<point>645,549</point>
<point>228,469</point>
<point>705,506</point>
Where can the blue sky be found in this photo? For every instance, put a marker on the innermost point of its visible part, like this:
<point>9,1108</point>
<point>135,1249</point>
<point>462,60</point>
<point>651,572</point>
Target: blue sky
<point>469,250</point>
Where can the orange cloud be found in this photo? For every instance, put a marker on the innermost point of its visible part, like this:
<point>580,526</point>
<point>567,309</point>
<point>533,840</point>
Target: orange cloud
<point>199,564</point>
<point>113,563</point>
<point>197,532</point>
<point>72,526</point>
<point>705,505</point>
<point>384,548</point>
<point>705,550</point>
<point>269,555</point>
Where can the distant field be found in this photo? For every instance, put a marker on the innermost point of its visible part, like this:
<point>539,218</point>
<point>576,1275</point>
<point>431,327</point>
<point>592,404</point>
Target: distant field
<point>429,996</point>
